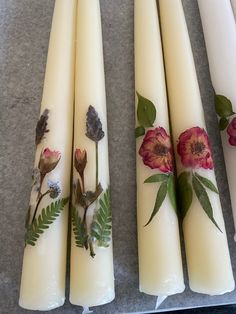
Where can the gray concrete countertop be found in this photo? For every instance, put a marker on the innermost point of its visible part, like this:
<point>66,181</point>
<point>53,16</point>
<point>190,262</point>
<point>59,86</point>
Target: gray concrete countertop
<point>24,34</point>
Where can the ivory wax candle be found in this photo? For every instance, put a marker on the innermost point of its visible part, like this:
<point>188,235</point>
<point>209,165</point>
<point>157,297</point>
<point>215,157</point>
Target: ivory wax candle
<point>208,260</point>
<point>91,278</point>
<point>44,263</point>
<point>160,263</point>
<point>222,64</point>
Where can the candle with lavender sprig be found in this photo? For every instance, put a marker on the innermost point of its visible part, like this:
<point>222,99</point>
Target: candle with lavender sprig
<point>91,278</point>
<point>44,262</point>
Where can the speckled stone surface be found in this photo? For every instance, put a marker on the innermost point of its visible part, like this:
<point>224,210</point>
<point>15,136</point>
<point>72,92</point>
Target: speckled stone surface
<point>24,33</point>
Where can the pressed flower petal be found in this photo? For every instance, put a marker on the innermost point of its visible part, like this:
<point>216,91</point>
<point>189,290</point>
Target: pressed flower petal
<point>80,160</point>
<point>156,150</point>
<point>194,149</point>
<point>48,160</point>
<point>232,141</point>
<point>231,130</point>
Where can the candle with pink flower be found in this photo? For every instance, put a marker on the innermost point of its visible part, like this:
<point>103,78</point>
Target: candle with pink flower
<point>44,263</point>
<point>208,260</point>
<point>222,63</point>
<point>92,278</point>
<point>160,263</point>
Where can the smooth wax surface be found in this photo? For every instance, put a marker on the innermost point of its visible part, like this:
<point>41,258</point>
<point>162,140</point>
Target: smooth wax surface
<point>160,263</point>
<point>91,279</point>
<point>222,63</point>
<point>44,265</point>
<point>208,260</point>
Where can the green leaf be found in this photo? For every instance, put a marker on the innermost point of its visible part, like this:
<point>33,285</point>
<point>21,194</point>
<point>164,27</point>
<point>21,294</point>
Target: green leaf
<point>161,194</point>
<point>78,228</point>
<point>223,106</point>
<point>146,111</point>
<point>203,199</point>
<point>157,178</point>
<point>208,184</point>
<point>139,131</point>
<point>42,222</point>
<point>101,225</point>
<point>171,192</point>
<point>223,123</point>
<point>184,193</point>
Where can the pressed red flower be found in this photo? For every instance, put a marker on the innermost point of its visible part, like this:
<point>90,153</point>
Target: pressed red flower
<point>80,160</point>
<point>194,149</point>
<point>156,150</point>
<point>48,160</point>
<point>231,130</point>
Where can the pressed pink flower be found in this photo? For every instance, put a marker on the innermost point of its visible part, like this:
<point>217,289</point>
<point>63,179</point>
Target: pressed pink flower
<point>194,149</point>
<point>231,130</point>
<point>80,160</point>
<point>156,150</point>
<point>48,160</point>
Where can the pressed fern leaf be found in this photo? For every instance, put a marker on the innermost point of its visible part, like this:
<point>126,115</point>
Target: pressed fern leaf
<point>101,225</point>
<point>42,222</point>
<point>78,228</point>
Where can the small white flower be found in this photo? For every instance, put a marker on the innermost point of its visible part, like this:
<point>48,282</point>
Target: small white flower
<point>54,188</point>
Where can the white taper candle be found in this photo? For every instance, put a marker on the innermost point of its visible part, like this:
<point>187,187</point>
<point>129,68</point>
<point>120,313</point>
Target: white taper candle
<point>91,278</point>
<point>208,260</point>
<point>160,264</point>
<point>44,263</point>
<point>222,64</point>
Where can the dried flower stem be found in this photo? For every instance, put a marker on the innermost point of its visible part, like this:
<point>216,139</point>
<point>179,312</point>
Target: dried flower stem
<point>39,200</point>
<point>88,242</point>
<point>85,227</point>
<point>96,143</point>
<point>82,181</point>
<point>92,253</point>
<point>42,176</point>
<point>85,213</point>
